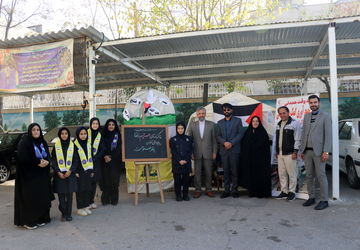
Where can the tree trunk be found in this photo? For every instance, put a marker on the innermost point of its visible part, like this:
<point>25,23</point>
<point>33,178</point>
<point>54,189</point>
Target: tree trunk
<point>325,80</point>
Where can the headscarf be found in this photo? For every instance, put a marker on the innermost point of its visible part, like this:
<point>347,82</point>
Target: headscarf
<point>38,143</point>
<point>39,140</point>
<point>180,124</point>
<point>255,134</point>
<point>83,143</point>
<point>64,144</point>
<point>94,132</point>
<point>109,136</point>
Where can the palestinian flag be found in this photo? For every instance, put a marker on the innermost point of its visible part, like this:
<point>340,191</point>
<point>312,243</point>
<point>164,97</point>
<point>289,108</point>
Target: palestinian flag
<point>245,112</point>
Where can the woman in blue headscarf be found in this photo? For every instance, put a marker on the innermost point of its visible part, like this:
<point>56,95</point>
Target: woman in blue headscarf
<point>33,193</point>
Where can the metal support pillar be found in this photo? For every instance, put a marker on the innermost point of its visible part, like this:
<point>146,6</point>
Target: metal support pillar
<point>92,87</point>
<point>31,109</point>
<point>334,111</point>
<point>205,94</point>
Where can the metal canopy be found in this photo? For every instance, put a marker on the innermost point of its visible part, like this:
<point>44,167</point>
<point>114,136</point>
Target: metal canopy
<point>261,52</point>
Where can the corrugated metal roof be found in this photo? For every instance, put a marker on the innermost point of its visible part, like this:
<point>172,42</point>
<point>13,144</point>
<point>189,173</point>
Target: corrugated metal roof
<point>89,32</point>
<point>250,52</point>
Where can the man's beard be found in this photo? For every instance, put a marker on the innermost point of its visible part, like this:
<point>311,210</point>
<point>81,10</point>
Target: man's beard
<point>316,108</point>
<point>228,114</point>
<point>202,119</point>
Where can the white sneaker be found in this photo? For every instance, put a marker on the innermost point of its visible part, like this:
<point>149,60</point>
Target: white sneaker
<point>82,212</point>
<point>93,206</point>
<point>87,210</point>
<point>30,227</point>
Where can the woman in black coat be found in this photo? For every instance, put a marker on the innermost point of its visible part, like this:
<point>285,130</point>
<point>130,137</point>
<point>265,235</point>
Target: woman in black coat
<point>255,159</point>
<point>33,193</point>
<point>64,164</point>
<point>181,150</point>
<point>84,171</point>
<point>110,172</point>
<point>97,153</point>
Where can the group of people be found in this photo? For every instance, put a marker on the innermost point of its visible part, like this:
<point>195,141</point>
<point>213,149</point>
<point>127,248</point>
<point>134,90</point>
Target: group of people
<point>93,157</point>
<point>245,155</point>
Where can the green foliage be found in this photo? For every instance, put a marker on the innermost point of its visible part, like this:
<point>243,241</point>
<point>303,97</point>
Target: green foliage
<point>234,86</point>
<point>5,127</point>
<point>23,127</point>
<point>52,120</point>
<point>184,110</point>
<point>75,117</point>
<point>350,108</point>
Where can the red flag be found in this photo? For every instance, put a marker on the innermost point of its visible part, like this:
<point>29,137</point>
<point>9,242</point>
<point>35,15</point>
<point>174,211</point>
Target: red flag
<point>256,112</point>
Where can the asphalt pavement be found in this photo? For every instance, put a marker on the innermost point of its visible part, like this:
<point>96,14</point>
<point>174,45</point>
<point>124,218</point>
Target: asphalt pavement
<point>204,223</point>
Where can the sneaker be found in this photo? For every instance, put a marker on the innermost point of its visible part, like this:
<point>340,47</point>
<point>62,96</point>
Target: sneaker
<point>281,196</point>
<point>322,205</point>
<point>186,198</point>
<point>178,198</point>
<point>309,202</point>
<point>41,224</point>
<point>87,210</point>
<point>225,195</point>
<point>235,194</point>
<point>30,227</point>
<point>93,206</point>
<point>81,212</point>
<point>291,196</point>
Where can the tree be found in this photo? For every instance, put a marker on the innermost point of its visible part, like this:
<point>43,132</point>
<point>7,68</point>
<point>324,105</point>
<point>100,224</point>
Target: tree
<point>350,108</point>
<point>71,117</point>
<point>6,127</point>
<point>183,111</point>
<point>11,17</point>
<point>23,127</point>
<point>52,120</point>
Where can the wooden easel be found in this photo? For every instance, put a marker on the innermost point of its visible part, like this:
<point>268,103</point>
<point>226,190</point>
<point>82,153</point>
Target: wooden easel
<point>147,180</point>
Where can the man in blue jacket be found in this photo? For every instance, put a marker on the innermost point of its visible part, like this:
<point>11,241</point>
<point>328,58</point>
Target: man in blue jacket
<point>229,134</point>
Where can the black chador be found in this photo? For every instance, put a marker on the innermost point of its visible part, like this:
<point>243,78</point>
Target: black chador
<point>110,171</point>
<point>33,193</point>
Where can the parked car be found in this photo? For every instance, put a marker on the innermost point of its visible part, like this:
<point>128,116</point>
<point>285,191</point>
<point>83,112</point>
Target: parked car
<point>8,153</point>
<point>349,150</point>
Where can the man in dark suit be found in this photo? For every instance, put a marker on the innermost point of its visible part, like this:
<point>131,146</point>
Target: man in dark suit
<point>205,149</point>
<point>229,134</point>
<point>315,148</point>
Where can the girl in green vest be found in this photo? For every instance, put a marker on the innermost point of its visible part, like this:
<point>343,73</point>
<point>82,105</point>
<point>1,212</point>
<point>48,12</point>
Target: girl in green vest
<point>64,164</point>
<point>84,171</point>
<point>97,153</point>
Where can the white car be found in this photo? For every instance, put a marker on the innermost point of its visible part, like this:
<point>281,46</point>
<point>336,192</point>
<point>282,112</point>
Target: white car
<point>349,150</point>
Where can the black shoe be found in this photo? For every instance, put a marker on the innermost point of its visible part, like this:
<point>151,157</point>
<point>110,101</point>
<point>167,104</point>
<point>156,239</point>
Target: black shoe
<point>68,218</point>
<point>322,205</point>
<point>235,194</point>
<point>309,202</point>
<point>281,196</point>
<point>291,196</point>
<point>114,203</point>
<point>186,198</point>
<point>178,198</point>
<point>225,195</point>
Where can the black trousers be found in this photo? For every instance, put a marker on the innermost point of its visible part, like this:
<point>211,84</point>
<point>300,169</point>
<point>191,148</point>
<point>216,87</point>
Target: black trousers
<point>230,163</point>
<point>65,204</point>
<point>110,194</point>
<point>181,181</point>
<point>83,199</point>
<point>93,191</point>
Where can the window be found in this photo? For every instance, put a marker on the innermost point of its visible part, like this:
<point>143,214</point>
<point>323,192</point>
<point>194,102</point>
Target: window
<point>2,139</point>
<point>11,139</point>
<point>345,132</point>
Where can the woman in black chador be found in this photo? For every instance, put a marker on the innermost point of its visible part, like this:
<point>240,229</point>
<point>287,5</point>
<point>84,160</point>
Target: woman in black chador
<point>110,172</point>
<point>64,164</point>
<point>32,185</point>
<point>181,150</point>
<point>84,171</point>
<point>97,153</point>
<point>255,172</point>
